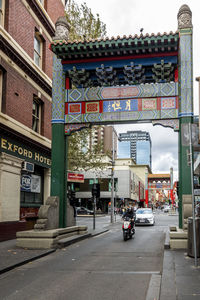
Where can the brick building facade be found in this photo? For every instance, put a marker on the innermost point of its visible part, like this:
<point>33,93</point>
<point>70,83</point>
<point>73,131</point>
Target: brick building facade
<point>26,31</point>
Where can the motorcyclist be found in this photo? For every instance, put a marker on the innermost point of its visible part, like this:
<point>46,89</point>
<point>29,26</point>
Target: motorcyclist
<point>130,213</point>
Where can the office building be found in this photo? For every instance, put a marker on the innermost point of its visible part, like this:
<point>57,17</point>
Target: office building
<point>106,135</point>
<point>135,138</point>
<point>124,149</point>
<point>143,153</point>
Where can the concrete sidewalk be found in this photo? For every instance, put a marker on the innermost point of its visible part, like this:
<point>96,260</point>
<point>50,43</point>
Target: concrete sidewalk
<point>12,256</point>
<point>180,279</point>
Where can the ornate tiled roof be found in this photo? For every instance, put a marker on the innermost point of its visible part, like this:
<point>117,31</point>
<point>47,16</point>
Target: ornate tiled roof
<point>116,46</point>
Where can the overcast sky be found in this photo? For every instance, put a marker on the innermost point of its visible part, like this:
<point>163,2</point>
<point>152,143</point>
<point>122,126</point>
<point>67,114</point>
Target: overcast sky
<point>126,18</point>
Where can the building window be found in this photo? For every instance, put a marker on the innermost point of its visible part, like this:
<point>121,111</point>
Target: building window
<point>38,48</point>
<point>2,12</point>
<point>32,188</point>
<point>36,114</point>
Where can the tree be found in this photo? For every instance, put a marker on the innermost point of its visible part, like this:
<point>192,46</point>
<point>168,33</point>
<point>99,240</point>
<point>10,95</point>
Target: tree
<point>83,24</point>
<point>82,154</point>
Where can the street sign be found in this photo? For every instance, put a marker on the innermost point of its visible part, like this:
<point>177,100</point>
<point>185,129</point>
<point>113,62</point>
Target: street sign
<point>75,177</point>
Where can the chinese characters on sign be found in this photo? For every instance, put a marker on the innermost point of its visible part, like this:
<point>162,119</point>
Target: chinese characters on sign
<point>120,105</point>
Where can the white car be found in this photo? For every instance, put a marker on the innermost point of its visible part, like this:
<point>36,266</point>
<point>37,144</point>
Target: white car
<point>144,216</point>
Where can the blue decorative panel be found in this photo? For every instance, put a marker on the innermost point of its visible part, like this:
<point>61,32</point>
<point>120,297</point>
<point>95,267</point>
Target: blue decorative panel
<point>120,105</point>
<point>169,114</point>
<point>93,118</point>
<point>185,75</point>
<point>58,91</point>
<point>74,118</point>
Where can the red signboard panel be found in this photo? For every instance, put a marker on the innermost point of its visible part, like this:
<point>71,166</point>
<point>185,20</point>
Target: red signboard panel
<point>74,177</point>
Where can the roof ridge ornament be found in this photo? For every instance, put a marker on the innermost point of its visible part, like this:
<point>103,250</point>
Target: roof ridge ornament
<point>62,29</point>
<point>184,17</point>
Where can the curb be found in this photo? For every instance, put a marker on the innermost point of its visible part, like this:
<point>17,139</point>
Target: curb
<point>167,239</point>
<point>72,240</point>
<point>26,261</point>
<point>93,234</point>
<point>154,288</point>
<point>66,243</point>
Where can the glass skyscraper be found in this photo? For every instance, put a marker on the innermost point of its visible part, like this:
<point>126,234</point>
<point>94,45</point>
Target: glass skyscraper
<point>140,152</point>
<point>124,150</point>
<point>143,153</point>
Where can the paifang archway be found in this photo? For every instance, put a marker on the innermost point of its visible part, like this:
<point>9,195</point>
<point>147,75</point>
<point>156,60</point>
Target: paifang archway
<point>122,80</point>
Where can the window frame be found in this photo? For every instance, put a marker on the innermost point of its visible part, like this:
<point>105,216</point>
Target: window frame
<point>38,38</point>
<point>37,118</point>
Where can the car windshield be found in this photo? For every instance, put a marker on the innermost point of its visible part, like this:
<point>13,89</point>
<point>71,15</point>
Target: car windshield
<point>144,211</point>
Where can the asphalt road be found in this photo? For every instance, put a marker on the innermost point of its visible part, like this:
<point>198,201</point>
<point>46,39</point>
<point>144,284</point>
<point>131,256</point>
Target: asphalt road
<point>102,267</point>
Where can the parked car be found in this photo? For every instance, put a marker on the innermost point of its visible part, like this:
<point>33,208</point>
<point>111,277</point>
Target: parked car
<point>144,216</point>
<point>83,211</point>
<point>166,208</point>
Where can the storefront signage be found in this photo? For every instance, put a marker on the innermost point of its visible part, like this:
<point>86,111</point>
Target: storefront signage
<point>74,177</point>
<point>24,151</point>
<point>30,183</point>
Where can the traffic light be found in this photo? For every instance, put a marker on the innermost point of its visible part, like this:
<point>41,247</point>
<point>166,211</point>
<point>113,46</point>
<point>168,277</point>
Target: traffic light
<point>96,190</point>
<point>72,198</point>
<point>177,188</point>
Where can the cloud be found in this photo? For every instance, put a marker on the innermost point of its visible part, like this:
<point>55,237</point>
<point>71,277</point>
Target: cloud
<point>164,146</point>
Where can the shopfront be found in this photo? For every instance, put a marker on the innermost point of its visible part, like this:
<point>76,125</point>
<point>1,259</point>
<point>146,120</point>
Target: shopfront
<point>24,179</point>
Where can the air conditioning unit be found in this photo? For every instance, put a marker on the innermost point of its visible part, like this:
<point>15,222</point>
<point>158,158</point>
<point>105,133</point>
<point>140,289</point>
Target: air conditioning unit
<point>27,166</point>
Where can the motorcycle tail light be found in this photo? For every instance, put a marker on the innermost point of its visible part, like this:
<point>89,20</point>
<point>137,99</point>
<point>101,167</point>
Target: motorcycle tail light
<point>123,226</point>
<point>129,226</point>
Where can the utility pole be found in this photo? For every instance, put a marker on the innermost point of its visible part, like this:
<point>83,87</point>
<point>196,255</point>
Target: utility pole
<point>112,179</point>
<point>193,203</point>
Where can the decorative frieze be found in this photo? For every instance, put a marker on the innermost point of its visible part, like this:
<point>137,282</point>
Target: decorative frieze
<point>122,92</point>
<point>119,110</point>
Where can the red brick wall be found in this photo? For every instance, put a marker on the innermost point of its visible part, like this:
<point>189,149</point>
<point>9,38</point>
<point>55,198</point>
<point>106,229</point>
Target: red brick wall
<point>21,26</point>
<point>19,99</point>
<point>47,59</point>
<point>55,13</point>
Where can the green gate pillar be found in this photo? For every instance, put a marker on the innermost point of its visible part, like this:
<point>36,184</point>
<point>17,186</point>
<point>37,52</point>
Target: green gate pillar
<point>58,140</point>
<point>185,110</point>
<point>58,154</point>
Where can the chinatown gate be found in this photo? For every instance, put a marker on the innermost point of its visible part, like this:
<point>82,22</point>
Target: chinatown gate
<point>146,78</point>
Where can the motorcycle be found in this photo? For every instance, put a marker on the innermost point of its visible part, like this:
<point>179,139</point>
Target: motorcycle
<point>128,231</point>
